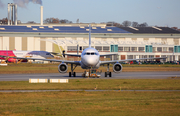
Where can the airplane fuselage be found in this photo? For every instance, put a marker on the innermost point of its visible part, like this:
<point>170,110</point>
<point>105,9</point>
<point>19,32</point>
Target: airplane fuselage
<point>32,54</point>
<point>90,59</point>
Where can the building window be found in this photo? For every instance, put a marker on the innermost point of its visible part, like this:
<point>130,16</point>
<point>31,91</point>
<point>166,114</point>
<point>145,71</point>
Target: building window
<point>72,48</point>
<point>133,48</point>
<point>98,48</point>
<point>120,48</point>
<point>148,48</point>
<point>163,56</point>
<point>154,49</point>
<point>151,56</point>
<point>141,49</point>
<point>159,49</point>
<point>80,48</point>
<point>129,56</point>
<point>114,48</point>
<point>170,49</point>
<point>165,49</point>
<point>105,48</point>
<point>177,49</point>
<point>127,49</point>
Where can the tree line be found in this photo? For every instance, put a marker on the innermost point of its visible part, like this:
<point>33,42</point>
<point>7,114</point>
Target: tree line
<point>124,24</point>
<point>127,24</point>
<point>56,20</point>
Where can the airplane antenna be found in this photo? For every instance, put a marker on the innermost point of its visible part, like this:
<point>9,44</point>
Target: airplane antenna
<point>90,35</point>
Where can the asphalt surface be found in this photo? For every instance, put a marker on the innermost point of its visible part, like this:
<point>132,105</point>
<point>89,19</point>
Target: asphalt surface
<point>122,75</point>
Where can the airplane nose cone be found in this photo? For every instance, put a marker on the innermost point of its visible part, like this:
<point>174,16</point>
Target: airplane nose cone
<point>90,61</point>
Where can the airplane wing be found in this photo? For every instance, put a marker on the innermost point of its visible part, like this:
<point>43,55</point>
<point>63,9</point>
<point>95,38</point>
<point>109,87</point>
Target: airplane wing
<point>115,61</point>
<point>55,53</point>
<point>51,60</point>
<point>107,55</point>
<point>72,55</point>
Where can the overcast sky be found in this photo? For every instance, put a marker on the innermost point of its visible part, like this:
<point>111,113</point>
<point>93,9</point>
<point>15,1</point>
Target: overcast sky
<point>154,12</point>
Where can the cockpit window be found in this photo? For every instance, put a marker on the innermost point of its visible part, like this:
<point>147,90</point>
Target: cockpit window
<point>47,53</point>
<point>92,53</point>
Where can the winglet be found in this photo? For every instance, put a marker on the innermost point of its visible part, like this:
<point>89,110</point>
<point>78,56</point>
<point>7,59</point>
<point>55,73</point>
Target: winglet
<point>90,35</point>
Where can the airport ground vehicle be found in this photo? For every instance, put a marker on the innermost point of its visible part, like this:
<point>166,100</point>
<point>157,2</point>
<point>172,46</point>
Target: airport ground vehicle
<point>93,73</point>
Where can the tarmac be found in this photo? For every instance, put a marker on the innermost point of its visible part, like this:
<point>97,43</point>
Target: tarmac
<point>122,75</point>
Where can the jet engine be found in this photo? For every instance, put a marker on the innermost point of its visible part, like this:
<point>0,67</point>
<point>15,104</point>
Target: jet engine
<point>117,67</point>
<point>12,60</point>
<point>62,68</point>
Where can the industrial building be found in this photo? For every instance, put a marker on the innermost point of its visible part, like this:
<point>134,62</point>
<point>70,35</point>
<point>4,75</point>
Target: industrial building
<point>126,42</point>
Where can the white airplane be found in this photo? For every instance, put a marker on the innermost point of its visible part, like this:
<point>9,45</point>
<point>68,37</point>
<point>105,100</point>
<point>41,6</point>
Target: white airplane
<point>90,59</point>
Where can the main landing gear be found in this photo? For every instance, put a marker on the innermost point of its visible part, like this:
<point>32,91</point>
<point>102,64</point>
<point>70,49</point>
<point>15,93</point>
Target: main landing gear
<point>108,73</point>
<point>72,69</point>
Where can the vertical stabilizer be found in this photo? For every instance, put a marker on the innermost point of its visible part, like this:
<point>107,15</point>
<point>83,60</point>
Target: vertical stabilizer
<point>90,35</point>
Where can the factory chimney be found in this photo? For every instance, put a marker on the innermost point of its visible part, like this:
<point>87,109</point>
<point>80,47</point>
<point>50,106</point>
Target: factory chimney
<point>13,11</point>
<point>41,15</point>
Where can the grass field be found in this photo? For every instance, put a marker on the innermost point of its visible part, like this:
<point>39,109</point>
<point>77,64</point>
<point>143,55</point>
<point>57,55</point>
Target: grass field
<point>82,103</point>
<point>100,84</point>
<point>53,68</point>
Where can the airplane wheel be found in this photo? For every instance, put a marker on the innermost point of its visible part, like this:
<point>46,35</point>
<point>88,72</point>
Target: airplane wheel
<point>110,74</point>
<point>74,74</point>
<point>69,74</point>
<point>105,74</point>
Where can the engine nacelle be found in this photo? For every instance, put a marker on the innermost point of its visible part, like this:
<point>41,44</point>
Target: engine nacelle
<point>62,68</point>
<point>117,67</point>
<point>12,60</point>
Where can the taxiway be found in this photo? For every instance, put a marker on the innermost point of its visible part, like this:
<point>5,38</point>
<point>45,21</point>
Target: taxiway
<point>122,75</point>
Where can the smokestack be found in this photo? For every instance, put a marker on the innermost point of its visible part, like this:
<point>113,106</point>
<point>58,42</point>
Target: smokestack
<point>15,14</point>
<point>41,15</point>
<point>8,14</point>
<point>12,12</point>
